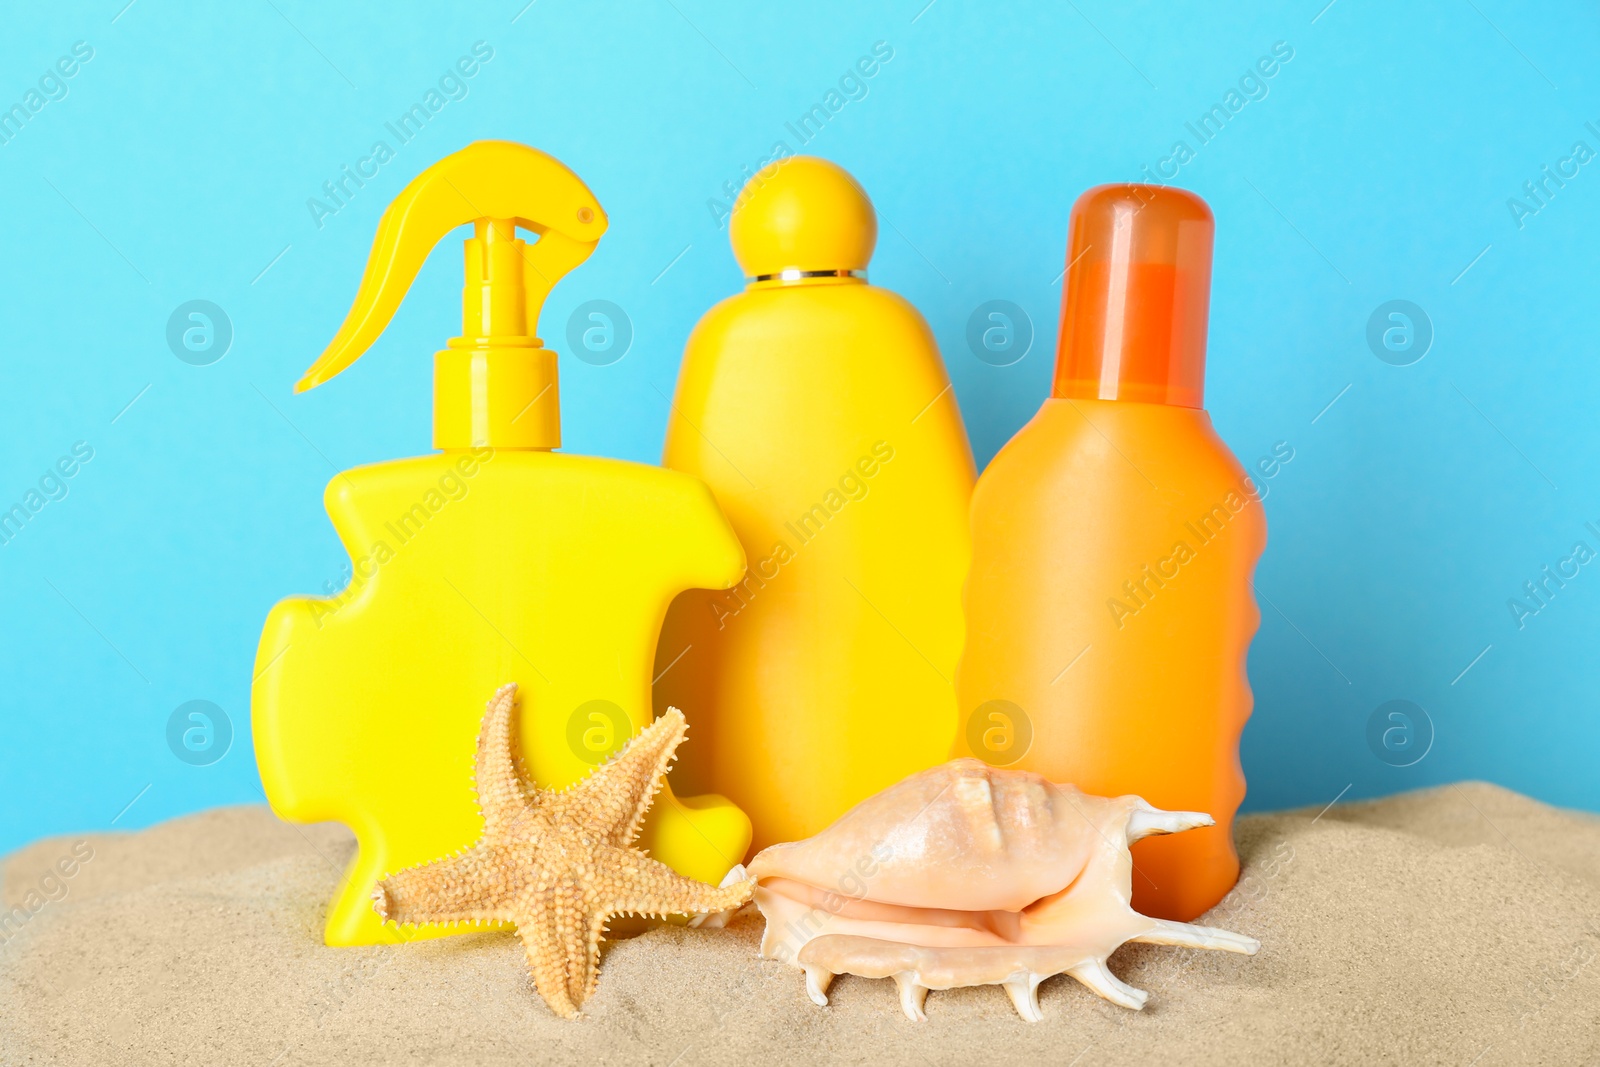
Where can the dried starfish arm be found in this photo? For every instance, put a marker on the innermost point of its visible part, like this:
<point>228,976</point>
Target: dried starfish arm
<point>614,801</point>
<point>563,939</point>
<point>501,798</point>
<point>460,888</point>
<point>640,885</point>
<point>562,942</point>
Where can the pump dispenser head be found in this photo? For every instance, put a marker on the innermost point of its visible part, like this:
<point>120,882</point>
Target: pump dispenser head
<point>1138,290</point>
<point>496,384</point>
<point>802,219</point>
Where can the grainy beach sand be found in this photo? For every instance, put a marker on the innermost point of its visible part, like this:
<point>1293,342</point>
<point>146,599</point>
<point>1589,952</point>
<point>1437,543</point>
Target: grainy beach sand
<point>1460,925</point>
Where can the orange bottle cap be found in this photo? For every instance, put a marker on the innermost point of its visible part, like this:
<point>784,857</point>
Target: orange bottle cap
<point>1138,289</point>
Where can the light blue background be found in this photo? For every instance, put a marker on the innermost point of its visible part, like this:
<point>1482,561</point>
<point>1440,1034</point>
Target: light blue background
<point>1378,166</point>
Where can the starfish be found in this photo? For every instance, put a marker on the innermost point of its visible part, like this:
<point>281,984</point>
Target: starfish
<point>557,864</point>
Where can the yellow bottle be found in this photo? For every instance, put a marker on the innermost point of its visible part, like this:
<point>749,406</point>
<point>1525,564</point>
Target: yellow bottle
<point>818,410</point>
<point>493,560</point>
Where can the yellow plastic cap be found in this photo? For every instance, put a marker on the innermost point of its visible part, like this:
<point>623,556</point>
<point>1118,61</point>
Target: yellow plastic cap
<point>495,385</point>
<point>802,213</point>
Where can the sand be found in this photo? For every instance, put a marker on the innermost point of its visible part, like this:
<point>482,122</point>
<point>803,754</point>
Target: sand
<point>1459,925</point>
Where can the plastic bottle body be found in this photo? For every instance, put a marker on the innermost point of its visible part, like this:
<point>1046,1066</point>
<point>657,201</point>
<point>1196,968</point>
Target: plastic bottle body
<point>821,416</point>
<point>471,569</point>
<point>1109,612</point>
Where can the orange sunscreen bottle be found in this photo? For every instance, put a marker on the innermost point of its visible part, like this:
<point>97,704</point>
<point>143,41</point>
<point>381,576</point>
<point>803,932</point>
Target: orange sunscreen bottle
<point>1109,606</point>
<point>816,407</point>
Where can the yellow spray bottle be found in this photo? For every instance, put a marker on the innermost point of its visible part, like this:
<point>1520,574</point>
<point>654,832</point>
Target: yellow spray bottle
<point>495,559</point>
<point>818,410</point>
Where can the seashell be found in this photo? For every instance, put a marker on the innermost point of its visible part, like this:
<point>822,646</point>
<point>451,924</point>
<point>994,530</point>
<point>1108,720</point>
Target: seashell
<point>966,874</point>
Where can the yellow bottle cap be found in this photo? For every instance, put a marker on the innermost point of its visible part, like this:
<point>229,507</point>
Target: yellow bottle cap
<point>496,384</point>
<point>802,217</point>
